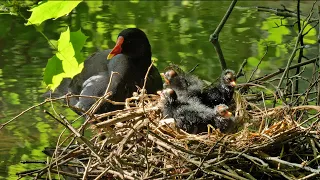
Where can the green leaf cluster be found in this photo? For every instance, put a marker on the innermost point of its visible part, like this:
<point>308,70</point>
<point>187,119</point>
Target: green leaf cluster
<point>50,9</point>
<point>68,60</point>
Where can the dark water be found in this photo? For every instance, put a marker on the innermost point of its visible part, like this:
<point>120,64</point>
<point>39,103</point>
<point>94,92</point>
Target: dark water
<point>178,32</point>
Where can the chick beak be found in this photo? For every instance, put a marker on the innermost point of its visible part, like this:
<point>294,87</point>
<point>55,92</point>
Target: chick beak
<point>228,114</point>
<point>117,48</point>
<point>165,79</point>
<point>233,83</point>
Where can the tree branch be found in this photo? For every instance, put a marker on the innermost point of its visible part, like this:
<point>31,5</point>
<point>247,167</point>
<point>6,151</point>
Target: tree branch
<point>214,37</point>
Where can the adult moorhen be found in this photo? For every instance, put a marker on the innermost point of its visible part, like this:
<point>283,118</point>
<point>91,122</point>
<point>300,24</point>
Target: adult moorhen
<point>130,58</point>
<point>191,115</point>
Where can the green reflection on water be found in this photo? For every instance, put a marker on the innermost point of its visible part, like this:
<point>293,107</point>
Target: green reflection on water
<point>178,32</point>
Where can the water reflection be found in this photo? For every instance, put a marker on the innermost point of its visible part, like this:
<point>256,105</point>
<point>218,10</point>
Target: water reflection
<point>178,32</point>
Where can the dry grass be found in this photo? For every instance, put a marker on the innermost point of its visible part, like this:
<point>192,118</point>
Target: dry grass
<point>138,143</point>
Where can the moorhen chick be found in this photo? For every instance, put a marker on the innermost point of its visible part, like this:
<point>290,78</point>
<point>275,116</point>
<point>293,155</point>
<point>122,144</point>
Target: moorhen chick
<point>130,58</point>
<point>191,115</point>
<point>221,93</point>
<point>184,84</point>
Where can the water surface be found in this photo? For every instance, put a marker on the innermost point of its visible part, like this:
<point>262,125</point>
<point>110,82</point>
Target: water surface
<point>178,32</point>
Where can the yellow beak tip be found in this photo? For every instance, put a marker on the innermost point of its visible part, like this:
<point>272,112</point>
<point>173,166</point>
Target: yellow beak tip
<point>110,56</point>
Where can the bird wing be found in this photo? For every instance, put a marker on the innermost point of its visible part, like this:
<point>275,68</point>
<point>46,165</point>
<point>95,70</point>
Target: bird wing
<point>93,65</point>
<point>94,86</point>
<point>123,81</point>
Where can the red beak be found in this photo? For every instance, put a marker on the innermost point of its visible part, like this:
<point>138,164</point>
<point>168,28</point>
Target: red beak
<point>117,49</point>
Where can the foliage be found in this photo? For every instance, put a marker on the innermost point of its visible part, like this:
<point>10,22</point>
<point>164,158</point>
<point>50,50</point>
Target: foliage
<point>51,9</point>
<point>68,61</point>
<point>178,33</point>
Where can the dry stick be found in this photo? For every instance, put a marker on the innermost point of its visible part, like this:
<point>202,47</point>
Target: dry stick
<point>20,114</point>
<point>58,159</point>
<point>309,176</point>
<point>257,85</point>
<point>285,175</point>
<point>50,101</point>
<point>225,174</point>
<point>43,170</point>
<point>254,71</point>
<point>50,165</point>
<point>265,110</point>
<point>173,176</point>
<point>100,116</point>
<point>301,44</point>
<point>240,71</point>
<point>66,148</point>
<point>67,173</point>
<point>317,115</point>
<point>236,176</point>
<point>318,97</point>
<point>210,150</point>
<point>278,12</point>
<point>246,174</point>
<point>308,91</point>
<point>125,117</point>
<point>214,37</point>
<point>122,176</point>
<point>86,168</point>
<point>102,174</point>
<point>293,164</point>
<point>57,144</point>
<point>129,134</point>
<point>315,152</point>
<point>294,51</point>
<point>96,97</point>
<point>229,169</point>
<point>143,91</point>
<point>280,70</point>
<point>56,151</point>
<point>229,159</point>
<point>160,143</point>
<point>77,134</point>
<point>144,84</point>
<point>253,159</point>
<point>176,146</point>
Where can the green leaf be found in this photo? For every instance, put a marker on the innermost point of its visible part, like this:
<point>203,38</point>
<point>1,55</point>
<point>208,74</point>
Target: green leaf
<point>78,40</point>
<point>68,61</point>
<point>53,68</point>
<point>50,9</point>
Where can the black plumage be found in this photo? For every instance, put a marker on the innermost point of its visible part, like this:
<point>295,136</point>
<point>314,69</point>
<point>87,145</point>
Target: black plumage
<point>184,84</point>
<point>191,115</point>
<point>221,93</point>
<point>130,58</point>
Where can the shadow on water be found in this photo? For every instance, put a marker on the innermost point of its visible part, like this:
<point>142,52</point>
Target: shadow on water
<point>178,32</point>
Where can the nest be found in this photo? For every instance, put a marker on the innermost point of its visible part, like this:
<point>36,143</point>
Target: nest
<point>138,143</point>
